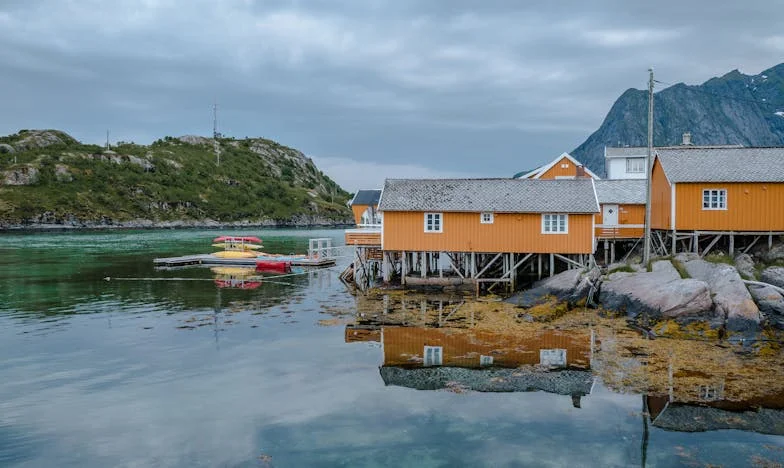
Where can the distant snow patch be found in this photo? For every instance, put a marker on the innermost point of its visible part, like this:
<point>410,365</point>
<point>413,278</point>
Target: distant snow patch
<point>779,113</point>
<point>764,77</point>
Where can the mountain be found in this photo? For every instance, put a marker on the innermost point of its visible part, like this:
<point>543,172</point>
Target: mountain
<point>48,177</point>
<point>733,109</point>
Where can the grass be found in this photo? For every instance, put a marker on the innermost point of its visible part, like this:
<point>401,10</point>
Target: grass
<point>719,258</point>
<point>622,268</point>
<point>184,184</point>
<point>681,269</point>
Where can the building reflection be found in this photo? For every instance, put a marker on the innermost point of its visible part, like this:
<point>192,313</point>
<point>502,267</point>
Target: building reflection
<point>463,359</point>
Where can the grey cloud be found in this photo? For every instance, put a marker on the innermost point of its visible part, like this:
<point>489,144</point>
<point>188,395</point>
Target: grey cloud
<point>484,88</point>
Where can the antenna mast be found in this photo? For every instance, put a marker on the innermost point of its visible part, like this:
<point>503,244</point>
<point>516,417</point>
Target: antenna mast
<point>215,134</point>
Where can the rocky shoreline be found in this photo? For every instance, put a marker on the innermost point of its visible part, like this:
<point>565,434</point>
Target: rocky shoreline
<point>717,298</point>
<point>76,224</point>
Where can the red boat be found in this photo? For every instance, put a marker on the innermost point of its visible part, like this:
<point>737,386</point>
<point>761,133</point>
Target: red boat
<point>274,266</point>
<point>238,239</point>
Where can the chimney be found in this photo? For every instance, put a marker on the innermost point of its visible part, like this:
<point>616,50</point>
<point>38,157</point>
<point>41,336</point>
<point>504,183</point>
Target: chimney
<point>580,172</point>
<point>687,139</point>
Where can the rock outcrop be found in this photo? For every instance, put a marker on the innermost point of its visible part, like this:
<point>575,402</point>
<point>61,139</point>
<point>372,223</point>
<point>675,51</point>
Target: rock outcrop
<point>25,175</point>
<point>730,295</point>
<point>773,275</point>
<point>571,286</point>
<point>770,302</point>
<point>775,253</point>
<point>745,265</point>
<point>6,149</point>
<point>660,294</point>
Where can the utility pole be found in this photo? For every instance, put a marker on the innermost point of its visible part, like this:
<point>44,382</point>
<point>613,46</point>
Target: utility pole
<point>647,245</point>
<point>107,140</point>
<point>215,133</point>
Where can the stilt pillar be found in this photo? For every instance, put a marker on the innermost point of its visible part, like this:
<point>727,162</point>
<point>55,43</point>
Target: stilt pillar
<point>552,264</point>
<point>539,266</point>
<point>674,242</point>
<point>732,245</point>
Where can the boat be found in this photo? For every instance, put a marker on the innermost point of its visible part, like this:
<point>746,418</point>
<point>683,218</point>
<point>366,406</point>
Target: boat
<point>238,239</point>
<point>274,266</point>
<point>233,246</point>
<point>234,254</point>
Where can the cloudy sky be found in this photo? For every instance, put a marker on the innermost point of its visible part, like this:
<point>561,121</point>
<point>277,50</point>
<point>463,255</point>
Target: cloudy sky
<point>368,88</point>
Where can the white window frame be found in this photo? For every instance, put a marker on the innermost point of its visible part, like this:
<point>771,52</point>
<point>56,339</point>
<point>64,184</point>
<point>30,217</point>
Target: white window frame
<point>565,165</point>
<point>547,223</point>
<point>720,201</point>
<point>486,217</point>
<point>433,356</point>
<point>631,164</point>
<point>552,357</point>
<point>485,361</point>
<point>440,217</point>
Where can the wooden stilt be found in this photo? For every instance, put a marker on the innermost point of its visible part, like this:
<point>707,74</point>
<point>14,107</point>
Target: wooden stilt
<point>710,246</point>
<point>473,264</point>
<point>403,266</point>
<point>606,252</point>
<point>732,245</point>
<point>552,265</point>
<point>674,242</point>
<point>539,267</point>
<point>423,264</point>
<point>770,240</point>
<point>696,241</point>
<point>612,252</point>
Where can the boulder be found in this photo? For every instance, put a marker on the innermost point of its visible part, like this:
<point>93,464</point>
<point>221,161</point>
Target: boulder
<point>7,149</point>
<point>745,265</point>
<point>729,293</point>
<point>570,286</point>
<point>660,294</point>
<point>770,302</point>
<point>775,253</point>
<point>773,275</point>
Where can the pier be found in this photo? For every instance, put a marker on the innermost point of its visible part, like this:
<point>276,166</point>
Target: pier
<point>320,254</point>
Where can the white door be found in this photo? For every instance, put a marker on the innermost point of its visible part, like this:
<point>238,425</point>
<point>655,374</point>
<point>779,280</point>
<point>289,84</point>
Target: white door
<point>610,215</point>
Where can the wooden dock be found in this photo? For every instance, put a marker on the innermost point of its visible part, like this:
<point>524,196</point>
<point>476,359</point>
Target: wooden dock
<point>208,259</point>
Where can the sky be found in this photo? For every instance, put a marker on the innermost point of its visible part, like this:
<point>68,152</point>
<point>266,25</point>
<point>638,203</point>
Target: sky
<point>368,88</point>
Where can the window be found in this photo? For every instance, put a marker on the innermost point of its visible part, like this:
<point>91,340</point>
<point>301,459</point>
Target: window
<point>434,356</point>
<point>635,165</point>
<point>555,223</point>
<point>433,222</point>
<point>714,199</point>
<point>485,361</point>
<point>565,166</point>
<point>552,357</point>
<point>486,218</point>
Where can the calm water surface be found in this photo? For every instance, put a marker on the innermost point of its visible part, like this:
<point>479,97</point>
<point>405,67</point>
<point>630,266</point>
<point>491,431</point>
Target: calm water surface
<point>165,368</point>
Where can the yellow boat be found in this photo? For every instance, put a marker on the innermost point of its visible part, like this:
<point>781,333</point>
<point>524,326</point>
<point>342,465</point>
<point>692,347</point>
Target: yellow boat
<point>235,254</point>
<point>237,246</point>
<point>234,272</point>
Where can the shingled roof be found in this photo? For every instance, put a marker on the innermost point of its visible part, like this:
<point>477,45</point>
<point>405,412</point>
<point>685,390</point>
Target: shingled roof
<point>625,191</point>
<point>642,151</point>
<point>496,195</point>
<point>722,164</point>
<point>366,197</point>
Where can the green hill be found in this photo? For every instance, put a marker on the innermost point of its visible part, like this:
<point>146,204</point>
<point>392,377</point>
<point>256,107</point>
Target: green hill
<point>47,177</point>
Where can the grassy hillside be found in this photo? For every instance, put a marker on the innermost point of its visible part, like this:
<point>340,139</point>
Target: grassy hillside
<point>56,179</point>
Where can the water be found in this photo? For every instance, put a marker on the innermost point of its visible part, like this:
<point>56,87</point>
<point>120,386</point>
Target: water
<point>143,371</point>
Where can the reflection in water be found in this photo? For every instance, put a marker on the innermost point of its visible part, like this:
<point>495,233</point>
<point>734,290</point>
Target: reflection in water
<point>450,344</point>
<point>192,374</point>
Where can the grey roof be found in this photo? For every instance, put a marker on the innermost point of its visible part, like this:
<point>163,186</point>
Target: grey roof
<point>627,191</point>
<point>366,197</point>
<point>493,379</point>
<point>642,151</point>
<point>496,195</point>
<point>722,164</point>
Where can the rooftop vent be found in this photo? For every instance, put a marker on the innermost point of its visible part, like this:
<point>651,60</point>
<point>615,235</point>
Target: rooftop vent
<point>687,139</point>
